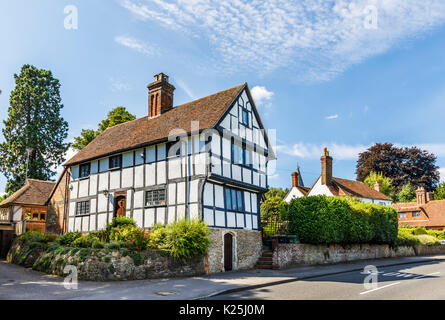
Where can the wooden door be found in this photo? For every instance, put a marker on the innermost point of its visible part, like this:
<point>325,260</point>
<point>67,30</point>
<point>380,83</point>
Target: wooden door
<point>120,206</point>
<point>228,252</point>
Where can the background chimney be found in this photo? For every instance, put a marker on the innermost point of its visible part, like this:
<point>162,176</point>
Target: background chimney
<point>326,168</point>
<point>421,195</point>
<point>160,95</point>
<point>377,187</point>
<point>429,196</point>
<point>295,179</point>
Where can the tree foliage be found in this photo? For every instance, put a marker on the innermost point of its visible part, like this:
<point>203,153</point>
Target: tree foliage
<point>272,207</point>
<point>34,124</point>
<point>116,116</point>
<point>385,183</point>
<point>439,193</point>
<point>402,165</point>
<point>407,193</point>
<point>276,192</point>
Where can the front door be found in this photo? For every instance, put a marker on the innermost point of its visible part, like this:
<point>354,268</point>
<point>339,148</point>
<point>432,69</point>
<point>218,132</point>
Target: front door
<point>120,205</point>
<point>228,252</point>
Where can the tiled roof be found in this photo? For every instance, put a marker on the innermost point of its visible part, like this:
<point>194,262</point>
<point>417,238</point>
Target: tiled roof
<point>143,131</point>
<point>434,210</point>
<point>34,192</point>
<point>342,187</point>
<point>304,190</point>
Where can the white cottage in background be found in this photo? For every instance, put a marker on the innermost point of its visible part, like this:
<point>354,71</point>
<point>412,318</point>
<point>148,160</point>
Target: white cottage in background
<point>205,159</point>
<point>298,189</point>
<point>330,186</point>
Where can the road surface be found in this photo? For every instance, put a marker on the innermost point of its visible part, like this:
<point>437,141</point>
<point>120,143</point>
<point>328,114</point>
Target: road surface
<point>408,282</point>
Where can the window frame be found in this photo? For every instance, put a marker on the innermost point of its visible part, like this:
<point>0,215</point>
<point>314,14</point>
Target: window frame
<point>85,165</point>
<point>158,202</point>
<point>244,112</point>
<point>402,213</point>
<point>35,210</point>
<point>415,214</point>
<point>85,208</point>
<point>234,200</point>
<point>110,160</point>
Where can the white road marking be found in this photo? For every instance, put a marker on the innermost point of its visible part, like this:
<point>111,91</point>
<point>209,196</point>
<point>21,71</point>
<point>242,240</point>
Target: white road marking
<point>426,275</point>
<point>389,285</point>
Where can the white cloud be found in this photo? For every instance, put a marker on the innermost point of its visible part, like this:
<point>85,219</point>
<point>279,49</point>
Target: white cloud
<point>185,88</point>
<point>260,95</point>
<point>137,45</point>
<point>335,116</point>
<point>315,40</point>
<point>119,85</point>
<point>313,151</point>
<point>442,174</point>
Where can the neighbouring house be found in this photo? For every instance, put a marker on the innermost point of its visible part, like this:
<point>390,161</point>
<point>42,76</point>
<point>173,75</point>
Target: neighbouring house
<point>25,209</point>
<point>425,212</point>
<point>330,186</point>
<point>206,159</point>
<point>57,205</point>
<point>298,189</point>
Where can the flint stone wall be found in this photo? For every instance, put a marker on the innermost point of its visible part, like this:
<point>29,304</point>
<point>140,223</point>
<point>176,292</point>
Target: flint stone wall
<point>288,255</point>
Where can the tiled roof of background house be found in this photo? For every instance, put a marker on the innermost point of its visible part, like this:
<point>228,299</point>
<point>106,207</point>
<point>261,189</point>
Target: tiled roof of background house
<point>355,188</point>
<point>434,210</point>
<point>34,192</point>
<point>143,131</point>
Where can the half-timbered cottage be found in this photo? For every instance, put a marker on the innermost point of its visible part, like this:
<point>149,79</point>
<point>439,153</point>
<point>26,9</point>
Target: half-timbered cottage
<point>205,159</point>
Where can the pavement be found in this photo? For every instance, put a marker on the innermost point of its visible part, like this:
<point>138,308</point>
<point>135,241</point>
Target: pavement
<point>19,283</point>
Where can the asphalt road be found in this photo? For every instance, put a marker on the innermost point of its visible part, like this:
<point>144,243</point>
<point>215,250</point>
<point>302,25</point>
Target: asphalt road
<point>404,282</point>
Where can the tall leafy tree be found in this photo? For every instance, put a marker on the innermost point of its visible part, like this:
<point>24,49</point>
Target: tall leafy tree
<point>385,183</point>
<point>276,192</point>
<point>439,193</point>
<point>407,193</point>
<point>116,116</point>
<point>402,165</point>
<point>34,128</point>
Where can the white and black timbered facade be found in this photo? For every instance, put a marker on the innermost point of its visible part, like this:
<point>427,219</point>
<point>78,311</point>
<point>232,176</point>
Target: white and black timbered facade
<point>215,168</point>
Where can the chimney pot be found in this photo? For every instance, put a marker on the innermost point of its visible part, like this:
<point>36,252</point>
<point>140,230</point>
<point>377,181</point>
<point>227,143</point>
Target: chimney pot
<point>421,196</point>
<point>160,95</point>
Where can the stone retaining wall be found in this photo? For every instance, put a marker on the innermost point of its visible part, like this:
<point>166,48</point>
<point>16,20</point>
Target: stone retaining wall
<point>104,264</point>
<point>288,255</point>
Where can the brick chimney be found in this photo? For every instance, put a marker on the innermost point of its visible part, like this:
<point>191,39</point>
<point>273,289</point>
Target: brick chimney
<point>326,168</point>
<point>429,196</point>
<point>377,187</point>
<point>421,196</point>
<point>295,179</point>
<point>160,95</point>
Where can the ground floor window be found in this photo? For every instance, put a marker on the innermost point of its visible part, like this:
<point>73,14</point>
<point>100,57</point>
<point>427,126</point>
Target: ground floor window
<point>155,198</point>
<point>82,208</point>
<point>35,214</point>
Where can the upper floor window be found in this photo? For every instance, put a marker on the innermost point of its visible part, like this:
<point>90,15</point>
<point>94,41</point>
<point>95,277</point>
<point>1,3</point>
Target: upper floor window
<point>245,117</point>
<point>416,214</point>
<point>82,208</point>
<point>241,155</point>
<point>115,162</point>
<point>234,200</point>
<point>84,170</point>
<point>402,215</point>
<point>155,198</point>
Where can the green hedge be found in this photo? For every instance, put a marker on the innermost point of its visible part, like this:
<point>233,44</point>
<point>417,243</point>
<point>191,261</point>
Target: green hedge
<point>330,220</point>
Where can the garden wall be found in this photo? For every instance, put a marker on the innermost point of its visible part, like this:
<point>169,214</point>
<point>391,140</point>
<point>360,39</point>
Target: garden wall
<point>103,264</point>
<point>288,255</point>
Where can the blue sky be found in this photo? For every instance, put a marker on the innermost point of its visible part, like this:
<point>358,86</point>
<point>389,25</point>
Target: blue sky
<point>320,77</point>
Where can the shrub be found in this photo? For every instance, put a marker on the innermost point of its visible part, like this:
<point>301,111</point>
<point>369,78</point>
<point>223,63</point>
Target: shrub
<point>97,244</point>
<point>31,237</point>
<point>113,245</point>
<point>83,242</point>
<point>419,231</point>
<point>428,240</point>
<point>272,207</point>
<point>131,236</point>
<point>328,220</point>
<point>120,222</point>
<point>156,237</point>
<point>49,237</point>
<point>405,237</point>
<point>68,238</point>
<point>185,239</point>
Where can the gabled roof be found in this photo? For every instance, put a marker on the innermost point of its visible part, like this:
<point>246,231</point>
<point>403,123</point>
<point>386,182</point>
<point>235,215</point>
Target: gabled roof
<point>357,188</point>
<point>145,131</point>
<point>34,192</point>
<point>434,210</point>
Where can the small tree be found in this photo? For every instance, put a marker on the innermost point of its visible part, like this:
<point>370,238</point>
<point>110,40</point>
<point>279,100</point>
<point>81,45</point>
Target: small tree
<point>116,116</point>
<point>407,193</point>
<point>386,185</point>
<point>439,193</point>
<point>276,192</point>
